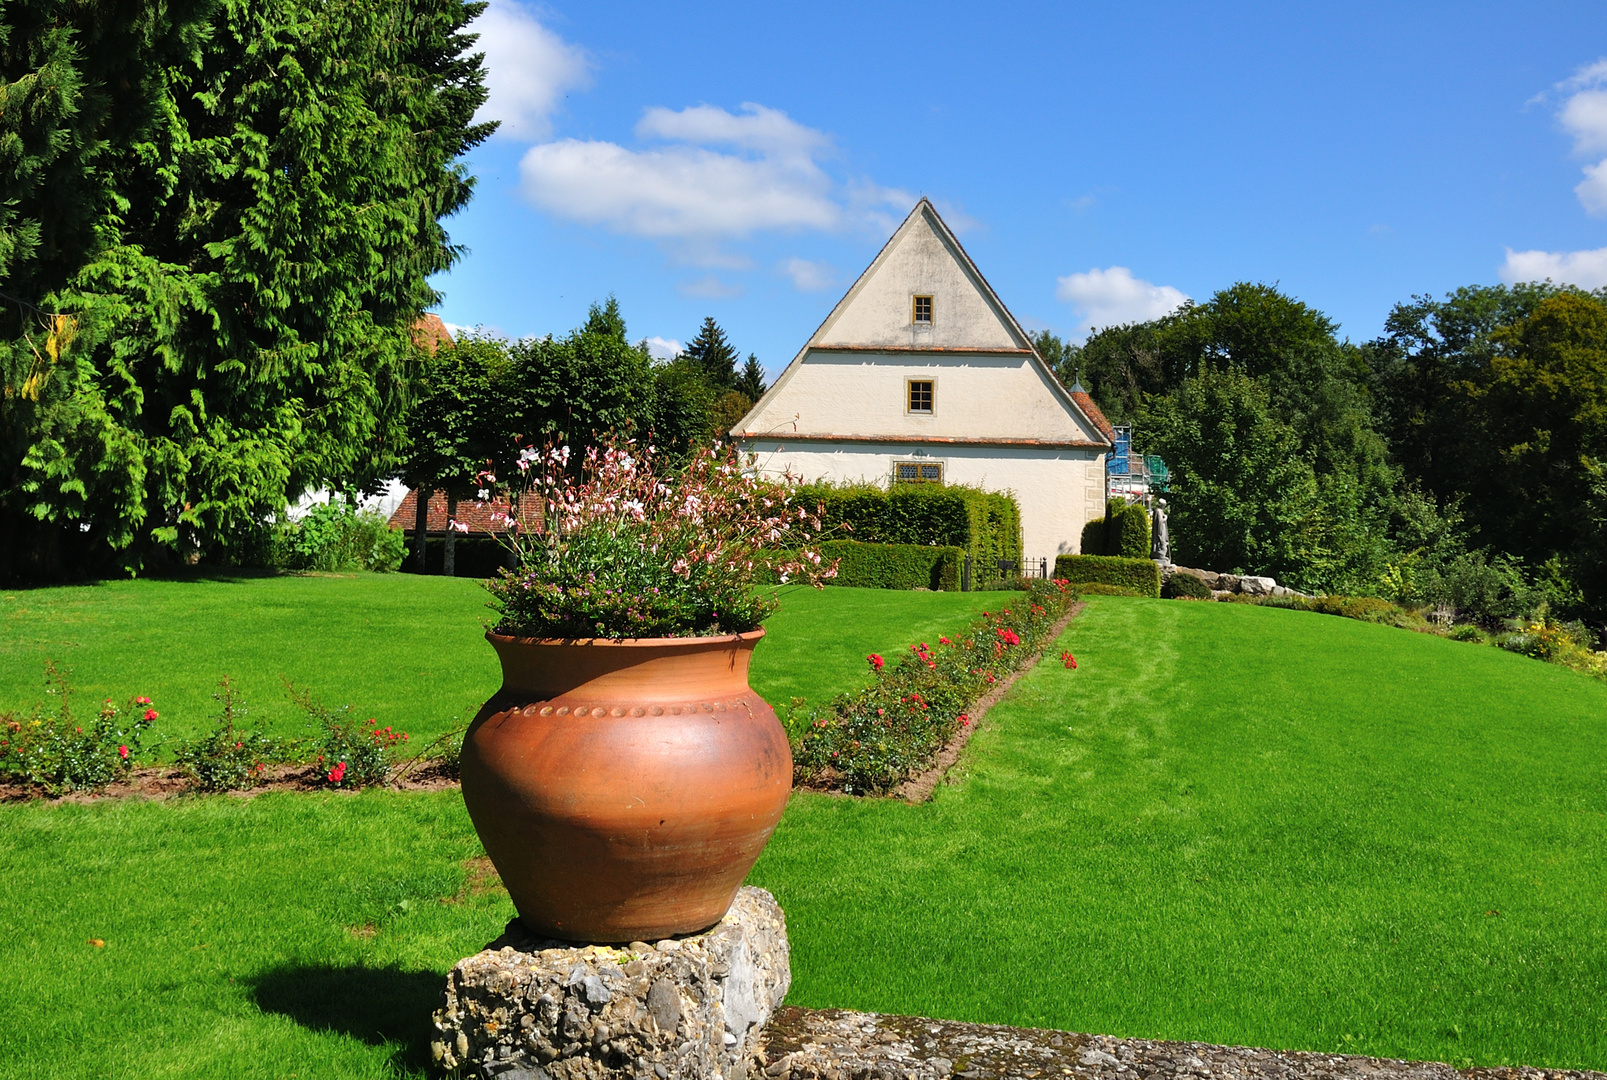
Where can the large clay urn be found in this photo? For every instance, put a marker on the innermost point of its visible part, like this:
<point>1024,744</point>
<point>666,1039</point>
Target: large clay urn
<point>623,789</point>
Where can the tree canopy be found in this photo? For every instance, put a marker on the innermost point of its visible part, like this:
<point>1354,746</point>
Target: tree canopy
<point>216,314</point>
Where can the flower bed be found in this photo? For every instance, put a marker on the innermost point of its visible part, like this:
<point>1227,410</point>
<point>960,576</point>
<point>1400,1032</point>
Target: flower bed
<point>869,742</point>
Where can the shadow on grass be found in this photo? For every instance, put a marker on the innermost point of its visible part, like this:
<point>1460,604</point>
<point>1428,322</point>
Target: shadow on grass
<point>380,1006</point>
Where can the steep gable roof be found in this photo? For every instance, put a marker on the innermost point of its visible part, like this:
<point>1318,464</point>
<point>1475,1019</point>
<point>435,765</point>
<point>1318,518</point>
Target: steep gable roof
<point>922,256</point>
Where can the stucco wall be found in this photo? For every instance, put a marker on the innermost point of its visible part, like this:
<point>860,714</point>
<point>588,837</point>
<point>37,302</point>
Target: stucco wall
<point>974,396</point>
<point>1057,490</point>
<point>921,262</point>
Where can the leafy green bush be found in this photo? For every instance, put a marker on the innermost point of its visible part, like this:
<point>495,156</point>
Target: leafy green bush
<point>871,741</point>
<point>51,749</point>
<point>895,566</point>
<point>1143,576</point>
<point>228,759</point>
<point>338,536</point>
<point>1182,586</point>
<point>1466,632</point>
<point>987,524</point>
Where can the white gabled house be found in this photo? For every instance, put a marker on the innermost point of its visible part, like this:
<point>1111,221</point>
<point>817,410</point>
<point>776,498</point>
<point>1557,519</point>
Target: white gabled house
<point>920,374</point>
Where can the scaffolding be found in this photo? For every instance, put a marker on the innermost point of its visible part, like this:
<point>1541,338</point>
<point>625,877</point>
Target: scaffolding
<point>1139,478</point>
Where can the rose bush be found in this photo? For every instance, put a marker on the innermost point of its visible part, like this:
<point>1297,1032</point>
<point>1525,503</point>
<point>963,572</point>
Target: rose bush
<point>871,741</point>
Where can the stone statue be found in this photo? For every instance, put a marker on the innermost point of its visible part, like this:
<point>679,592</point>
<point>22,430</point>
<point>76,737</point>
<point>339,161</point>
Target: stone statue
<point>1160,540</point>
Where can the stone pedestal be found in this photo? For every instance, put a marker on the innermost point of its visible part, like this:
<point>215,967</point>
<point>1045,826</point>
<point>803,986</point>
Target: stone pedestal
<point>691,1008</point>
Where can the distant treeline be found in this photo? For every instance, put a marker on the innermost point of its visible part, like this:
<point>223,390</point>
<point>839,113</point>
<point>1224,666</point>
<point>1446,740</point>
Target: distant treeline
<point>1458,460</point>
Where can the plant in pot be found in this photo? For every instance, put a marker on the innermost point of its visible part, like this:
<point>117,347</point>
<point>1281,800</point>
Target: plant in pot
<point>625,777</point>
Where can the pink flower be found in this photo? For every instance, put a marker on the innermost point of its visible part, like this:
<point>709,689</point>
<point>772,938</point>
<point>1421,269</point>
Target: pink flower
<point>1069,660</point>
<point>876,662</point>
<point>964,720</point>
<point>122,752</point>
<point>151,714</point>
<point>142,701</point>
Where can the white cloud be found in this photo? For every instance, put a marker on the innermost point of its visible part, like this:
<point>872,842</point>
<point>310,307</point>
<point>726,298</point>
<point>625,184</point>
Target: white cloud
<point>809,276</point>
<point>708,288</point>
<point>676,192</point>
<point>660,348</point>
<point>1114,297</point>
<point>1587,269</point>
<point>528,70</point>
<point>1592,190</point>
<point>1584,115</point>
<point>724,177</point>
<point>770,132</point>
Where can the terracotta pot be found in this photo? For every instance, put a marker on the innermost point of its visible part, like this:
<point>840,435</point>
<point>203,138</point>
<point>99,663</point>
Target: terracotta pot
<point>623,789</point>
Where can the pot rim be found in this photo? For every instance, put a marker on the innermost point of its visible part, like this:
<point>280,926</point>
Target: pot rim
<point>630,643</point>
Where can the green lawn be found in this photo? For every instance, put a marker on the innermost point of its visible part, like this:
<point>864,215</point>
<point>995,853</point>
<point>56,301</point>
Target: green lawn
<point>1231,823</point>
<point>402,648</point>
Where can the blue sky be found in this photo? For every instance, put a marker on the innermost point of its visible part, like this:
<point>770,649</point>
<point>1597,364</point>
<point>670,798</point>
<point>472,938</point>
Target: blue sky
<point>1100,162</point>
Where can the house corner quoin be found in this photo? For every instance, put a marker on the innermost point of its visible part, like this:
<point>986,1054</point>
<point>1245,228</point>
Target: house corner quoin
<point>920,374</point>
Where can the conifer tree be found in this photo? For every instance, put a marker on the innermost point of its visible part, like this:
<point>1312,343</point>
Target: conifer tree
<point>751,381</point>
<point>223,260</point>
<point>713,354</point>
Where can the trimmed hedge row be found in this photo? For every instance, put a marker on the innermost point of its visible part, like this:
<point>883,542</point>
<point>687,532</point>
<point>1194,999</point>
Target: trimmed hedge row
<point>1143,576</point>
<point>871,741</point>
<point>1123,532</point>
<point>895,566</point>
<point>986,524</point>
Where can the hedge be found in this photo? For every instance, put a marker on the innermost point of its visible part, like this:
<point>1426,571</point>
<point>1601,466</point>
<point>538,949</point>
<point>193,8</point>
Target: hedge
<point>895,566</point>
<point>1143,576</point>
<point>985,524</point>
<point>1123,531</point>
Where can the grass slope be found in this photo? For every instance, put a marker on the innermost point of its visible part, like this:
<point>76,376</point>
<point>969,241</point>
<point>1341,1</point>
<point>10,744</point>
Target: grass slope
<point>403,648</point>
<point>1231,823</point>
<point>1244,825</point>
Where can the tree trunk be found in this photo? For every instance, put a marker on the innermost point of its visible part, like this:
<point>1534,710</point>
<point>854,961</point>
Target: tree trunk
<point>421,529</point>
<point>448,563</point>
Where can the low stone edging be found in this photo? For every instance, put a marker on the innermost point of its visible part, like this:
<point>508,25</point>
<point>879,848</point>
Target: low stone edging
<point>835,1044</point>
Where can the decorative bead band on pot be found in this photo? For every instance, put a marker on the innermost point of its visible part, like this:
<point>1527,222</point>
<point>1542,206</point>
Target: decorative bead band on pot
<point>624,789</point>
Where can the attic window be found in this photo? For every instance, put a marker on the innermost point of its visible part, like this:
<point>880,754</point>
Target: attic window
<point>917,472</point>
<point>922,313</point>
<point>920,396</point>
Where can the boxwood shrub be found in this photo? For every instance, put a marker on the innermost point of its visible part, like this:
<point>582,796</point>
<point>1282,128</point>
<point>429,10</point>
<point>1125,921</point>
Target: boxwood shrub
<point>1143,576</point>
<point>986,524</point>
<point>1185,587</point>
<point>895,566</point>
<point>1122,532</point>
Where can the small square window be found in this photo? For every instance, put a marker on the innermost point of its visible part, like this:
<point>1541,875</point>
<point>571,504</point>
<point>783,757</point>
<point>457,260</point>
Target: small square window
<point>920,395</point>
<point>917,472</point>
<point>922,315</point>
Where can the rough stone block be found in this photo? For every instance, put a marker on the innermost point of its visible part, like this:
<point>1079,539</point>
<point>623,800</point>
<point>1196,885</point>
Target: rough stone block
<point>1257,586</point>
<point>691,1008</point>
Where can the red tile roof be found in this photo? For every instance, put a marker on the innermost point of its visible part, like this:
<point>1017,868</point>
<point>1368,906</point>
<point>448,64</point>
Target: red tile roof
<point>430,333</point>
<point>471,512</point>
<point>1086,404</point>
